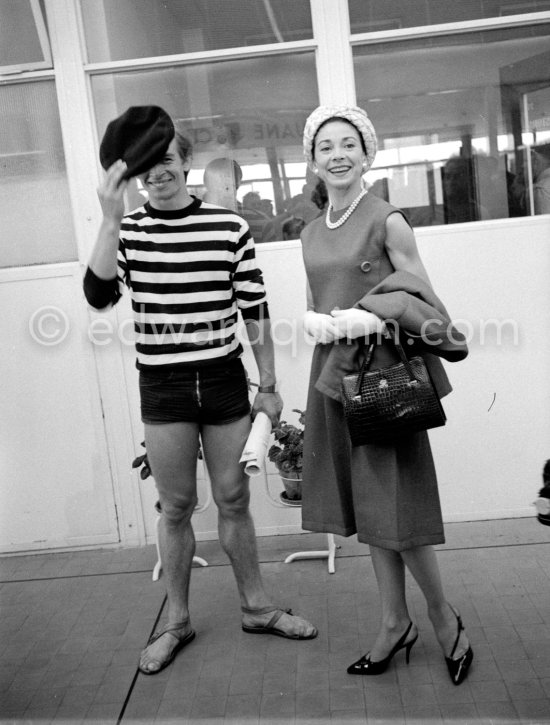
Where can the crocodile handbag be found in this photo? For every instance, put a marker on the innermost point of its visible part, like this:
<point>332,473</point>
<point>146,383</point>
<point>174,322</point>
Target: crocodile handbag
<point>381,406</point>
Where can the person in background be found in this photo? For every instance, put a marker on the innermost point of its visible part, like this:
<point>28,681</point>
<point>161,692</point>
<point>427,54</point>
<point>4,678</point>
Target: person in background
<point>540,159</point>
<point>458,176</point>
<point>253,213</point>
<point>179,256</point>
<point>515,186</point>
<point>266,206</point>
<point>222,178</point>
<point>364,271</point>
<point>292,228</point>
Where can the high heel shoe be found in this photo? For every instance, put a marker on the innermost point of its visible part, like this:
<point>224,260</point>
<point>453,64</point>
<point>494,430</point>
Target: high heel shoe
<point>365,666</point>
<point>458,669</point>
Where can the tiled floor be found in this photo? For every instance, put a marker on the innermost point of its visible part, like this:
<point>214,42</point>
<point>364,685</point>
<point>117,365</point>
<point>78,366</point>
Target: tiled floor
<point>72,626</point>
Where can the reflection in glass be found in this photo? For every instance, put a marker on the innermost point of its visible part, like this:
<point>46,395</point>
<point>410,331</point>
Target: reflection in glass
<point>367,17</point>
<point>530,116</point>
<point>222,178</point>
<point>126,29</point>
<point>245,121</point>
<point>37,225</point>
<point>540,162</point>
<point>450,117</point>
<point>24,43</point>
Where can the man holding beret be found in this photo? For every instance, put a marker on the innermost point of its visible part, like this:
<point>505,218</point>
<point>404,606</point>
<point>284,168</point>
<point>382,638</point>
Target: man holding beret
<point>190,267</point>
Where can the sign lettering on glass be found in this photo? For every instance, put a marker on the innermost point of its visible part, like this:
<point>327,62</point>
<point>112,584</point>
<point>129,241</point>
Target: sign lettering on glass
<point>246,133</point>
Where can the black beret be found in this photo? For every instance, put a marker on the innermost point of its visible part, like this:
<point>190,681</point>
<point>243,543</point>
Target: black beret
<point>140,137</point>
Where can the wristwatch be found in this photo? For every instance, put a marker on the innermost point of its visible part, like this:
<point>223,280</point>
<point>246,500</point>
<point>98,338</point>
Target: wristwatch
<point>267,388</point>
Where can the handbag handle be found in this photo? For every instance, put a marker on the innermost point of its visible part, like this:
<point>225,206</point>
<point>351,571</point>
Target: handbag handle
<point>370,354</point>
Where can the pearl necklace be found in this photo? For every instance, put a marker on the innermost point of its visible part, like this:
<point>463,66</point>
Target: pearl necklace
<point>351,208</point>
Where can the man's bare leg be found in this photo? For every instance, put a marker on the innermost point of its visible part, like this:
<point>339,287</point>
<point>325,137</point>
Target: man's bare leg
<point>172,451</point>
<point>223,445</point>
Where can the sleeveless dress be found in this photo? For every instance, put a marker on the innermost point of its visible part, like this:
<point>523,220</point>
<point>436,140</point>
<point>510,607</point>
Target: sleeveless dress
<point>386,494</point>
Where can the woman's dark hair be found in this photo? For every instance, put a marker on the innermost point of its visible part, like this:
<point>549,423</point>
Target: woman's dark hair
<point>345,120</point>
<point>319,195</point>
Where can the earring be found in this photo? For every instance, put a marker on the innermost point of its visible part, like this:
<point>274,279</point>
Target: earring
<point>315,170</point>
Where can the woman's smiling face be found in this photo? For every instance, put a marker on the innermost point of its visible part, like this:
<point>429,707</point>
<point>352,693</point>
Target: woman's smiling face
<point>338,154</point>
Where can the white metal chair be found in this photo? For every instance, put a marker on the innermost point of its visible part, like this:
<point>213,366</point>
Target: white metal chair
<point>328,553</point>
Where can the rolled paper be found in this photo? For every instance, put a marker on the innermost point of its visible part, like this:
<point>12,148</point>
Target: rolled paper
<point>255,449</point>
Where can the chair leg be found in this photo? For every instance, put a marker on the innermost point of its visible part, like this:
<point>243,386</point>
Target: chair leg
<point>158,566</point>
<point>329,554</point>
<point>157,570</point>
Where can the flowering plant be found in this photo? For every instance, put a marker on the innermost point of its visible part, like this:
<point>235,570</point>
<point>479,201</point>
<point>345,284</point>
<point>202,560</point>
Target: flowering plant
<point>287,451</point>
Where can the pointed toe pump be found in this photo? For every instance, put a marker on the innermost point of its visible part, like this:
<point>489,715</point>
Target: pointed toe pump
<point>365,666</point>
<point>458,667</point>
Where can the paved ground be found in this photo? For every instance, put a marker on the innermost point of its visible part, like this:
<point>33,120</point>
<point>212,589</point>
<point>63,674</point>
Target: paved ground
<point>72,626</point>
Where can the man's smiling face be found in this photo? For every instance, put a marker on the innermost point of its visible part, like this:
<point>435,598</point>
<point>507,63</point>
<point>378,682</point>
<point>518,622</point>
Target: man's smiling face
<point>165,182</point>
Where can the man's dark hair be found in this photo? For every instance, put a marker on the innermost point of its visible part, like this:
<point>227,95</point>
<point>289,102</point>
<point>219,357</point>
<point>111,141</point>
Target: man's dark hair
<point>185,148</point>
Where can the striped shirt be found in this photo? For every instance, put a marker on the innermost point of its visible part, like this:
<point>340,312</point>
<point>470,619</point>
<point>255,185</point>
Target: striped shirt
<point>189,271</point>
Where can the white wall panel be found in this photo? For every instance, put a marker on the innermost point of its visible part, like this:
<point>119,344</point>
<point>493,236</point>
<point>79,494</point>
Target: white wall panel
<point>490,455</point>
<point>55,483</point>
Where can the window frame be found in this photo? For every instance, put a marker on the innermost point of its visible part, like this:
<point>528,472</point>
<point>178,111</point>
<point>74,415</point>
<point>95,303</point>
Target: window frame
<point>332,43</point>
<point>180,60</point>
<point>466,26</point>
<point>329,45</point>
<point>456,28</point>
<point>43,39</point>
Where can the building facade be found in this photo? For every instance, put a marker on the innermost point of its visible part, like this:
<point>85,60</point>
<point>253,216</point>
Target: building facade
<point>459,94</point>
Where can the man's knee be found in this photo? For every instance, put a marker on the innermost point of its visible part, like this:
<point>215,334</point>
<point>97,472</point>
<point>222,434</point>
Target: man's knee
<point>178,507</point>
<point>232,500</point>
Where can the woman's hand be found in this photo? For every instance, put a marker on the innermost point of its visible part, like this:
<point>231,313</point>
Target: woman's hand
<point>321,328</point>
<point>355,322</point>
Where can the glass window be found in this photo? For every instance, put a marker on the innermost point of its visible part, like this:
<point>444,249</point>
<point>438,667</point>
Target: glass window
<point>125,29</point>
<point>366,17</point>
<point>23,39</point>
<point>37,225</point>
<point>457,118</point>
<point>245,121</point>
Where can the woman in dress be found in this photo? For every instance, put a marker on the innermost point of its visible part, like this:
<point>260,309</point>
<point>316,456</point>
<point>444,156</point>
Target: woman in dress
<point>386,494</point>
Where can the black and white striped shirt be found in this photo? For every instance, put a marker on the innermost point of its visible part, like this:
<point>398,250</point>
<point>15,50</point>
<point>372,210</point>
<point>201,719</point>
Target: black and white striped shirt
<point>189,271</point>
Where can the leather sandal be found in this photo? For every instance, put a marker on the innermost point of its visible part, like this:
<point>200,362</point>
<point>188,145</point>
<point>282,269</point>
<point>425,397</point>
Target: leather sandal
<point>181,642</point>
<point>270,628</point>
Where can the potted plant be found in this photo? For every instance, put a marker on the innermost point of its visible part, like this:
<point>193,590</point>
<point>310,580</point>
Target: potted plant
<point>142,461</point>
<point>286,453</point>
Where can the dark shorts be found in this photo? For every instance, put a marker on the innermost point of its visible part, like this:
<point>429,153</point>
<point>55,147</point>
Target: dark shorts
<point>212,395</point>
